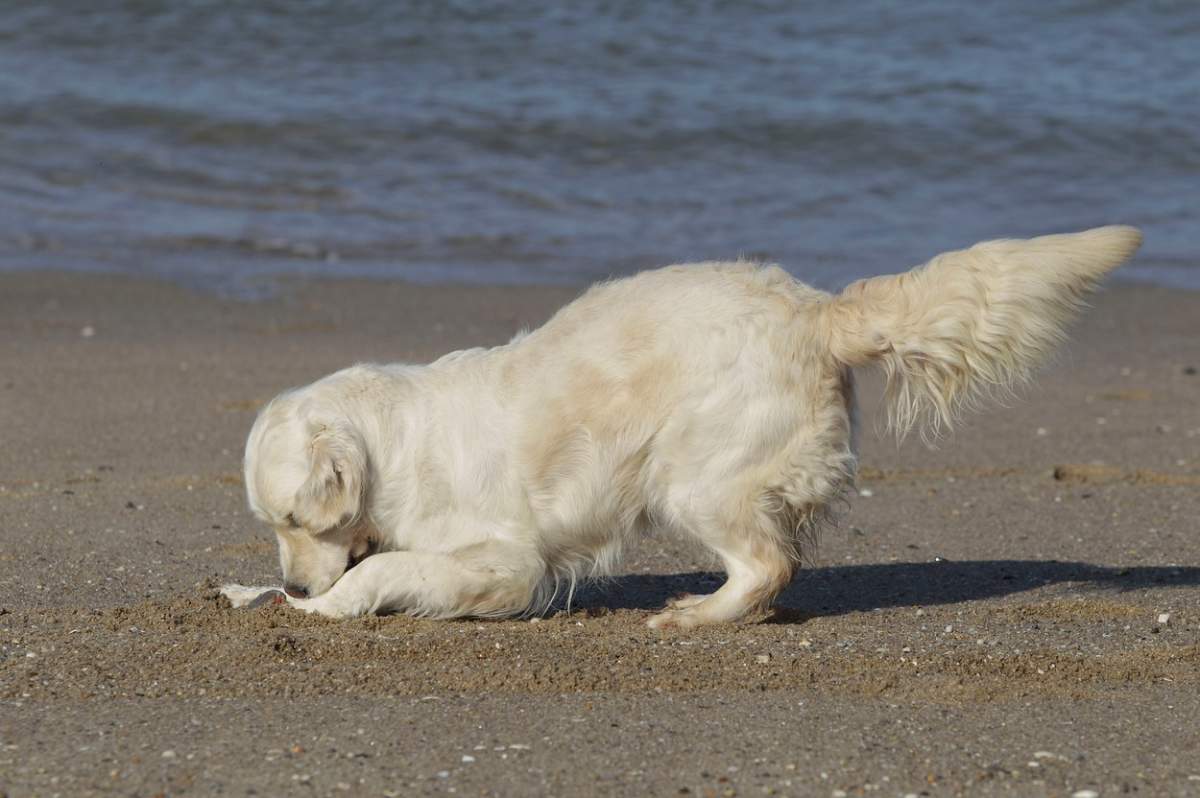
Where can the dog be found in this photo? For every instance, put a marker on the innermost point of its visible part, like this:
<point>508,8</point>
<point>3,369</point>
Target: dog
<point>715,399</point>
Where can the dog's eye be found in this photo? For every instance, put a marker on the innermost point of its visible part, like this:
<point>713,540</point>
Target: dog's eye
<point>292,522</point>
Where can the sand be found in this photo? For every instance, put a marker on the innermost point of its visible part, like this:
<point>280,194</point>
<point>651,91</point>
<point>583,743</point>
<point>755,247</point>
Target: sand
<point>1017,612</point>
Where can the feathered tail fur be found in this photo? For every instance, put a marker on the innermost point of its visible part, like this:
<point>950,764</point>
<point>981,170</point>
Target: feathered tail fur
<point>970,324</point>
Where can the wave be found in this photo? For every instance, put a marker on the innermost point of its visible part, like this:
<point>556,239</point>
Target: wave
<point>587,139</point>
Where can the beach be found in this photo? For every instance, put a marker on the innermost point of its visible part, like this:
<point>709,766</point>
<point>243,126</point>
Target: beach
<point>1013,612</point>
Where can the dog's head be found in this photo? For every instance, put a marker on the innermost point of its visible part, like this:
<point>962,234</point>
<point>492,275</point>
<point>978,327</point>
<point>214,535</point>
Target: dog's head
<point>306,476</point>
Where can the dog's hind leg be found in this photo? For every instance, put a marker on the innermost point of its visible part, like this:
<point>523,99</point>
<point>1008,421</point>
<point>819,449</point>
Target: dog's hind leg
<point>485,579</point>
<point>686,600</point>
<point>757,560</point>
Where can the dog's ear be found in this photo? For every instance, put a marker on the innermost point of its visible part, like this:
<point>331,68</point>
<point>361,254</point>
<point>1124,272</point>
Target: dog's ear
<point>332,494</point>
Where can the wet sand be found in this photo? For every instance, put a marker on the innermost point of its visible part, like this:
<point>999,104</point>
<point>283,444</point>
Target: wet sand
<point>988,618</point>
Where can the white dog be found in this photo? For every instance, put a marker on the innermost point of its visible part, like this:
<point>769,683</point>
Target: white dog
<point>715,399</point>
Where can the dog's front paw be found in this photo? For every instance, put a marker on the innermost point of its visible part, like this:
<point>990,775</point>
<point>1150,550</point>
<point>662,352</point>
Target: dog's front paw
<point>243,596</point>
<point>324,605</point>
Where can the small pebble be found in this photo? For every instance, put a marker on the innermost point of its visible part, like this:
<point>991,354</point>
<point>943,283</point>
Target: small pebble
<point>168,754</point>
<point>89,331</point>
<point>762,659</point>
<point>1164,618</point>
<point>468,758</point>
<point>866,493</point>
<point>268,598</point>
<point>1085,794</point>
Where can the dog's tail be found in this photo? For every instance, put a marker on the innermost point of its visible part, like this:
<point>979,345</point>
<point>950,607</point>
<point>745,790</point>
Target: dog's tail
<point>969,324</point>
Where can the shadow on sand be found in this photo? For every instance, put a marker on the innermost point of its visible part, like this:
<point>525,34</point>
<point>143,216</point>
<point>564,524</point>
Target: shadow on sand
<point>842,589</point>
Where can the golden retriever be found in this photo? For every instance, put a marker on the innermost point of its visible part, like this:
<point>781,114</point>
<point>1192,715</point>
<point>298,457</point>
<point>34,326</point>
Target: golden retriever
<point>715,399</point>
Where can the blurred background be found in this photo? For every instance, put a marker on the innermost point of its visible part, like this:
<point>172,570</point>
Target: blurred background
<point>217,143</point>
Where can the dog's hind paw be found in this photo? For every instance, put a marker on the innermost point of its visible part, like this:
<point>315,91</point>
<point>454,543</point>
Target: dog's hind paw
<point>242,596</point>
<point>673,619</point>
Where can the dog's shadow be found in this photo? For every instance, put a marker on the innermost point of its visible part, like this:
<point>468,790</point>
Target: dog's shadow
<point>842,589</point>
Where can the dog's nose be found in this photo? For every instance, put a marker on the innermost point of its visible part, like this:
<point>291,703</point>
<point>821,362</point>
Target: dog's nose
<point>296,591</point>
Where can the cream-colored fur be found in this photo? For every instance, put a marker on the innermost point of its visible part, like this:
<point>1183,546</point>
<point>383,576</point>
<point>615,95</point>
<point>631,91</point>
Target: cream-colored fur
<point>715,399</point>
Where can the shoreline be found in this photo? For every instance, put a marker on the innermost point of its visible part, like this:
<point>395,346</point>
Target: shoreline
<point>1007,585</point>
<point>267,286</point>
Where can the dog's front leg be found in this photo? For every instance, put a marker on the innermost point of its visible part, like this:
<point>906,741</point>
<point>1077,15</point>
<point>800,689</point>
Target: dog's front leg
<point>486,579</point>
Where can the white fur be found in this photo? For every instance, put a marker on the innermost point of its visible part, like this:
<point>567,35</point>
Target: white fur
<point>715,399</point>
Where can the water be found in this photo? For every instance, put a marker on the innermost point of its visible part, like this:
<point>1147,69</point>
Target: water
<point>215,143</point>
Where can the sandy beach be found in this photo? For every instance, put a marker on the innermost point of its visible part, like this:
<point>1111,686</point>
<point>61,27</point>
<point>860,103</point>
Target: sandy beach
<point>1014,613</point>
